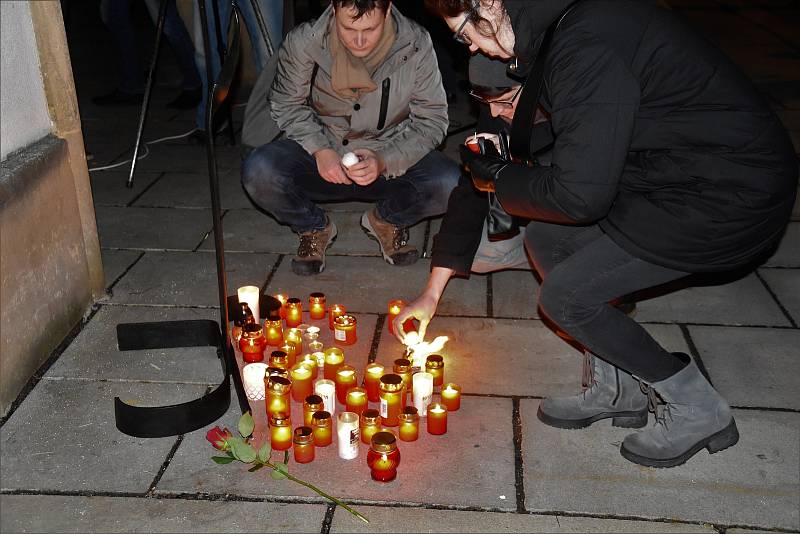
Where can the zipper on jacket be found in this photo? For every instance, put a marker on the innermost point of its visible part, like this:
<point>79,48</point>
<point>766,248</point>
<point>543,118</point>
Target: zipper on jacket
<point>384,103</point>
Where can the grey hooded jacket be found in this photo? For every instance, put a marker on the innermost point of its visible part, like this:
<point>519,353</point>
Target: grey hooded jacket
<point>402,120</point>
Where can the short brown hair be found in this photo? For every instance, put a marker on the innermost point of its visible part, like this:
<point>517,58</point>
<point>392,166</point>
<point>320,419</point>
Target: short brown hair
<point>362,6</point>
<point>454,8</point>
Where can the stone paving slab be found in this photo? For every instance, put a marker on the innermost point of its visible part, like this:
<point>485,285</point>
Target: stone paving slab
<point>754,483</point>
<point>752,366</point>
<point>93,355</point>
<point>785,283</point>
<point>188,278</point>
<point>471,465</point>
<point>116,262</point>
<point>189,159</point>
<point>720,304</point>
<point>253,231</point>
<point>515,294</point>
<point>63,438</point>
<point>108,187</point>
<point>388,519</point>
<point>152,228</point>
<point>366,285</point>
<point>191,190</point>
<point>23,513</point>
<point>788,253</point>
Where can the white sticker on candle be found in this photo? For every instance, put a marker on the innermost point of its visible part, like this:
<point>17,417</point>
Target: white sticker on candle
<point>340,335</point>
<point>384,408</point>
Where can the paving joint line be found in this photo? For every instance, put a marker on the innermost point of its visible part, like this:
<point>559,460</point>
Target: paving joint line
<point>519,468</point>
<point>695,353</point>
<point>328,519</point>
<point>151,490</point>
<point>110,288</point>
<point>130,203</point>
<point>489,297</point>
<point>272,272</point>
<point>777,301</point>
<point>211,231</point>
<point>376,338</point>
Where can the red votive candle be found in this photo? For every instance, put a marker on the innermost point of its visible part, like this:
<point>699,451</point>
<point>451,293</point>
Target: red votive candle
<point>303,444</point>
<point>344,329</point>
<point>316,306</point>
<point>333,312</point>
<point>437,419</point>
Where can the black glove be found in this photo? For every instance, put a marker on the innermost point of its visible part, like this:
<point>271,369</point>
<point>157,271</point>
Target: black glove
<point>484,168</point>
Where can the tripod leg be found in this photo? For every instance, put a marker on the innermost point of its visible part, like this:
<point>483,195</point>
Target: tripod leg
<point>262,26</point>
<point>162,15</point>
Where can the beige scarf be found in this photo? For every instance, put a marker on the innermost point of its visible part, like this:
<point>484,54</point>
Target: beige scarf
<point>351,76</point>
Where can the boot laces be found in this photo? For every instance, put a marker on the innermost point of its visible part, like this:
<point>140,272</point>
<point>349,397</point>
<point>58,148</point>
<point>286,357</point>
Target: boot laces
<point>399,237</point>
<point>661,410</point>
<point>309,244</point>
<point>587,374</point>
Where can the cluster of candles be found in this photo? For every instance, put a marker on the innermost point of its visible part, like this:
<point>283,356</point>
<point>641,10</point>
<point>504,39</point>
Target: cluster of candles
<point>403,393</point>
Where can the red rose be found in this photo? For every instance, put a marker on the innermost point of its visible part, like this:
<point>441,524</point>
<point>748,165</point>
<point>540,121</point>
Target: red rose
<point>219,438</point>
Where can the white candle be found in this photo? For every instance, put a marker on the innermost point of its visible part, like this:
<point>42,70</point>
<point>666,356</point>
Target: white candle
<point>249,294</point>
<point>253,379</point>
<point>422,385</point>
<point>327,390</point>
<point>349,159</point>
<point>347,430</point>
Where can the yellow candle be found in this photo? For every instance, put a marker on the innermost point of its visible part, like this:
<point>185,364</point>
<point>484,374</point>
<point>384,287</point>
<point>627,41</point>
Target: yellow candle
<point>322,428</point>
<point>291,353</point>
<point>278,390</point>
<point>409,424</point>
<point>294,312</point>
<point>273,330</point>
<point>311,404</point>
<point>356,400</point>
<point>334,358</point>
<point>345,380</point>
<point>402,367</point>
<point>370,423</point>
<point>372,380</point>
<point>434,364</point>
<point>295,337</point>
<point>392,398</point>
<point>451,397</point>
<point>280,359</point>
<point>301,381</point>
<point>437,419</point>
<point>316,305</point>
<point>335,311</point>
<point>310,361</point>
<point>280,431</point>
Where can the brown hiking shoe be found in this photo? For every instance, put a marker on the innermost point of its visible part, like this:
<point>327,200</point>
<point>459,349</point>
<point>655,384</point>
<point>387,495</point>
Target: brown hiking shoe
<point>392,239</point>
<point>310,257</point>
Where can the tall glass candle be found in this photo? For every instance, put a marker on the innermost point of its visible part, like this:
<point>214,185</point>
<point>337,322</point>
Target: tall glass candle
<point>282,298</point>
<point>321,425</point>
<point>252,343</point>
<point>303,444</point>
<point>278,394</point>
<point>394,308</point>
<point>423,391</point>
<point>345,380</point>
<point>300,375</point>
<point>278,358</point>
<point>344,329</point>
<point>249,294</point>
<point>316,305</point>
<point>402,367</point>
<point>253,380</point>
<point>392,398</point>
<point>409,424</point>
<point>348,433</point>
<point>451,397</point>
<point>372,380</point>
<point>280,431</point>
<point>335,311</point>
<point>311,404</point>
<point>437,419</point>
<point>273,330</point>
<point>327,390</point>
<point>434,364</point>
<point>294,312</point>
<point>369,424</point>
<point>291,353</point>
<point>383,457</point>
<point>334,359</point>
<point>295,337</point>
<point>356,400</point>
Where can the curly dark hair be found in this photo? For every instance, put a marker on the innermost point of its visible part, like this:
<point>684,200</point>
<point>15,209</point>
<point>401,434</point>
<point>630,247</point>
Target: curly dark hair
<point>362,6</point>
<point>454,8</point>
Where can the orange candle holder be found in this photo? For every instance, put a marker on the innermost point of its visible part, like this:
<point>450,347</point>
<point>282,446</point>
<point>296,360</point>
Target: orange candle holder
<point>291,353</point>
<point>280,431</point>
<point>356,400</point>
<point>277,371</point>
<point>344,329</point>
<point>451,396</point>
<point>333,312</point>
<point>294,312</point>
<point>346,379</point>
<point>310,361</point>
<point>321,425</point>
<point>252,343</point>
<point>402,367</point>
<point>311,404</point>
<point>369,424</point>
<point>273,331</point>
<point>316,306</point>
<point>333,358</point>
<point>434,364</point>
<point>282,298</point>
<point>294,336</point>
<point>301,378</point>
<point>409,424</point>
<point>245,316</point>
<point>279,359</point>
<point>278,395</point>
<point>303,444</point>
<point>392,398</point>
<point>437,419</point>
<point>372,380</point>
<point>383,457</point>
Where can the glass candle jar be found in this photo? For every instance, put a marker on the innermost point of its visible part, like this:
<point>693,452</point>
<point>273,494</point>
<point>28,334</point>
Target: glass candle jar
<point>294,312</point>
<point>393,310</point>
<point>372,380</point>
<point>278,391</point>
<point>279,359</point>
<point>253,380</point>
<point>273,330</point>
<point>383,457</point>
<point>291,353</point>
<point>402,367</point>
<point>369,424</point>
<point>311,362</point>
<point>245,316</point>
<point>311,404</point>
<point>302,387</point>
<point>316,306</point>
<point>423,391</point>
<point>409,424</point>
<point>294,336</point>
<point>327,390</point>
<point>434,364</point>
<point>249,295</point>
<point>345,380</point>
<point>344,329</point>
<point>303,444</point>
<point>282,299</point>
<point>319,357</point>
<point>437,419</point>
<point>333,312</point>
<point>311,333</point>
<point>280,431</point>
<point>356,400</point>
<point>252,343</point>
<point>451,397</point>
<point>321,426</point>
<point>392,398</point>
<point>334,359</point>
<point>347,431</point>
<point>277,371</point>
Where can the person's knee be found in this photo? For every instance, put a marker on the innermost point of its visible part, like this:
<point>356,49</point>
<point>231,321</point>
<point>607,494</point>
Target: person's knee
<point>444,175</point>
<point>261,169</point>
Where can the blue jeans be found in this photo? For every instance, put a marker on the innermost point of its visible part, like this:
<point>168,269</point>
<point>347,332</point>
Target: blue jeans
<point>583,274</point>
<point>272,11</point>
<point>282,178</point>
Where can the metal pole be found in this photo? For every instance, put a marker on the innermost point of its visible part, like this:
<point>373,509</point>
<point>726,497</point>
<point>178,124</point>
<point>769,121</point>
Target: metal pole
<point>263,26</point>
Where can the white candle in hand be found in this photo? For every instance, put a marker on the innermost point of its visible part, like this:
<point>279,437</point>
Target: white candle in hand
<point>349,159</point>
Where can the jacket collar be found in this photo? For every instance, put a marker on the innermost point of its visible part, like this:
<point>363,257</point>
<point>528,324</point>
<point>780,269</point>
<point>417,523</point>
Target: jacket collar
<point>530,19</point>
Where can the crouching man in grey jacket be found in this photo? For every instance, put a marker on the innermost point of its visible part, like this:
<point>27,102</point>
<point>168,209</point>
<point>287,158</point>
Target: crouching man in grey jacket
<point>363,79</point>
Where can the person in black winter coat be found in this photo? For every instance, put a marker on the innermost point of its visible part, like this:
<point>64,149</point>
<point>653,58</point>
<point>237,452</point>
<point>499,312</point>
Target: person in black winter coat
<point>666,161</point>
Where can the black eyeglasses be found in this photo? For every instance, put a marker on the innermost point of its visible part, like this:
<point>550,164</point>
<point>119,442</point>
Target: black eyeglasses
<point>504,103</point>
<point>459,36</point>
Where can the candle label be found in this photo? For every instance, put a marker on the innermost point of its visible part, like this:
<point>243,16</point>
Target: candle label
<point>340,335</point>
<point>384,408</point>
<point>355,437</point>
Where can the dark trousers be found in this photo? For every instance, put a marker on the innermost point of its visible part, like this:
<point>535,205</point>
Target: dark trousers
<point>282,178</point>
<point>583,273</point>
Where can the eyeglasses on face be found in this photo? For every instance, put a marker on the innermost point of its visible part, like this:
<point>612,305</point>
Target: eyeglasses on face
<point>459,36</point>
<point>503,103</point>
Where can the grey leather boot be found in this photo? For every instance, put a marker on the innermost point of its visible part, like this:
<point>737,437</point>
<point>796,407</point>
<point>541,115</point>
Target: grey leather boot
<point>694,416</point>
<point>610,393</point>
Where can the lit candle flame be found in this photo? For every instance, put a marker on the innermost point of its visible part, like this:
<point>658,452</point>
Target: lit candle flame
<point>417,350</point>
